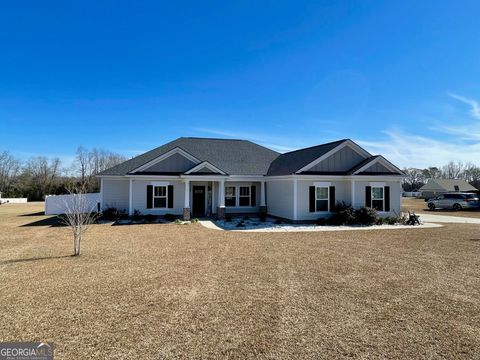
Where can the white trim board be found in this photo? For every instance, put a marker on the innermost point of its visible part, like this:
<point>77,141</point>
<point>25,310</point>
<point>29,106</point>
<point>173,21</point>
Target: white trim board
<point>205,164</point>
<point>380,159</point>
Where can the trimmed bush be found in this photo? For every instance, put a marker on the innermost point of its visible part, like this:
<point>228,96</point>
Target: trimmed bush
<point>263,217</point>
<point>111,214</point>
<point>194,221</point>
<point>321,221</point>
<point>344,215</point>
<point>170,217</point>
<point>150,218</point>
<point>366,216</point>
<point>137,215</point>
<point>228,218</point>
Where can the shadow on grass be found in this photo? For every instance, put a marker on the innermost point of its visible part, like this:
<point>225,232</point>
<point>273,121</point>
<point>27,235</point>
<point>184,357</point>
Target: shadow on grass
<point>13,261</point>
<point>54,221</point>
<point>38,213</point>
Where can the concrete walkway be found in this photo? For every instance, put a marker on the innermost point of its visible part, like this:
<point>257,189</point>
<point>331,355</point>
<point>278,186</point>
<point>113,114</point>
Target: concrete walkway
<point>431,218</point>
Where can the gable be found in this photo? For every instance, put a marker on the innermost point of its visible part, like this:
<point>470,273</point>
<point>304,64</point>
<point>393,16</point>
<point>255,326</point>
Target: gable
<point>377,168</point>
<point>205,170</point>
<point>340,161</point>
<point>175,163</point>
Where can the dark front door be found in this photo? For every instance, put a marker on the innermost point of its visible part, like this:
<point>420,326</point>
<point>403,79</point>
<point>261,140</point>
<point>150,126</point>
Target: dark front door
<point>198,198</point>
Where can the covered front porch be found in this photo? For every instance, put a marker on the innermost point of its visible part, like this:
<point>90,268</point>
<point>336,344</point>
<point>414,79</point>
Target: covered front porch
<point>220,196</point>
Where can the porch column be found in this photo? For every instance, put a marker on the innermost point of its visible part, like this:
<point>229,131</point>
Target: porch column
<point>214,206</point>
<point>294,199</point>
<point>186,207</point>
<point>263,206</point>
<point>130,197</point>
<point>221,207</point>
<point>352,192</point>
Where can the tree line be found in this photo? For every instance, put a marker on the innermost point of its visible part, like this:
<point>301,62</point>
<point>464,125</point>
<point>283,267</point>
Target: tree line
<point>40,176</point>
<point>416,178</point>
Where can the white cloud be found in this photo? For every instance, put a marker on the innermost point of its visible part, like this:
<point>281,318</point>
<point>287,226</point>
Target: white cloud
<point>474,105</point>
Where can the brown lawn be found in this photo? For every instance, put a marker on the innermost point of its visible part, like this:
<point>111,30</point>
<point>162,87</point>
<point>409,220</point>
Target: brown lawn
<point>183,291</point>
<point>420,206</point>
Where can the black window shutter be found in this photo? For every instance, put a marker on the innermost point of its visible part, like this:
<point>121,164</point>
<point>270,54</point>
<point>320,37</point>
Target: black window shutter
<point>387,198</point>
<point>149,196</point>
<point>312,198</point>
<point>170,196</point>
<point>332,198</point>
<point>368,196</point>
<point>253,195</point>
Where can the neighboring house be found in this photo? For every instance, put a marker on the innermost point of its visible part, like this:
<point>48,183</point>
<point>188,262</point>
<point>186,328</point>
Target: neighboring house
<point>202,177</point>
<point>434,187</point>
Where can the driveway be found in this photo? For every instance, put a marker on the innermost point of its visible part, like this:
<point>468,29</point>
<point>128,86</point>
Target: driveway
<point>431,218</point>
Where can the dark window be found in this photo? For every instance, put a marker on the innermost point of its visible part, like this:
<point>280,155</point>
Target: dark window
<point>244,196</point>
<point>160,197</point>
<point>456,188</point>
<point>230,198</point>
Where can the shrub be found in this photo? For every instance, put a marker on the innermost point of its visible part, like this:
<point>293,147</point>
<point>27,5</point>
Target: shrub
<point>194,221</point>
<point>150,218</point>
<point>263,217</point>
<point>344,215</point>
<point>170,217</point>
<point>178,221</point>
<point>366,216</point>
<point>240,224</point>
<point>246,217</point>
<point>137,215</point>
<point>321,221</point>
<point>111,214</point>
<point>228,218</point>
<point>278,222</point>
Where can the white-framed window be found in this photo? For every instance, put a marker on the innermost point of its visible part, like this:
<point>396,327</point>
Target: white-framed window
<point>321,198</point>
<point>160,197</point>
<point>230,196</point>
<point>244,196</point>
<point>378,198</point>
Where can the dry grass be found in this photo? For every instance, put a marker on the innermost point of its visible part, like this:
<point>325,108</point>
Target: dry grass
<point>183,291</point>
<point>419,206</point>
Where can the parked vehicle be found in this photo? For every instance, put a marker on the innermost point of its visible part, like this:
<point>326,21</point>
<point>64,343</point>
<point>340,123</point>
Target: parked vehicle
<point>456,201</point>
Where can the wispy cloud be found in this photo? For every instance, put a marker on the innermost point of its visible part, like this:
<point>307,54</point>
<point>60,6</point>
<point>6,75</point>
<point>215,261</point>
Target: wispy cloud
<point>412,150</point>
<point>474,105</point>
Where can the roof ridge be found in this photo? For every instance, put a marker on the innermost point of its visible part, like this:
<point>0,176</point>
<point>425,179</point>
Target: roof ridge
<point>315,146</point>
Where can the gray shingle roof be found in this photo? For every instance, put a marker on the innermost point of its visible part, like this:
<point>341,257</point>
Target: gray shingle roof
<point>235,157</point>
<point>447,185</point>
<point>290,162</point>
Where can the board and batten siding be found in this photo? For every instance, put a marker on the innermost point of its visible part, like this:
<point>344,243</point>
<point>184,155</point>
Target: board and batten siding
<point>139,197</point>
<point>115,194</point>
<point>176,163</point>
<point>280,198</point>
<point>343,160</point>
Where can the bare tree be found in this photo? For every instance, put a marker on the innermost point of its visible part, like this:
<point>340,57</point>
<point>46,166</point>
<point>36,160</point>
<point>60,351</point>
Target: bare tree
<point>9,169</point>
<point>79,215</point>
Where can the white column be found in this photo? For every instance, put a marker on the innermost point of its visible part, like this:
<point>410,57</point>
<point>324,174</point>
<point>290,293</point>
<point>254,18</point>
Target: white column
<point>222,193</point>
<point>187,194</point>
<point>101,194</point>
<point>130,197</point>
<point>214,207</point>
<point>353,193</point>
<point>262,193</point>
<point>294,199</point>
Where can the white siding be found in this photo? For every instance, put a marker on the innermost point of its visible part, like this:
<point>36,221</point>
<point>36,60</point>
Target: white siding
<point>342,193</point>
<point>139,197</point>
<point>280,198</point>
<point>395,195</point>
<point>115,194</point>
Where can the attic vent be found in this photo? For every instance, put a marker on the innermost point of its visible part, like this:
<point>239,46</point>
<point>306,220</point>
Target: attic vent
<point>456,188</point>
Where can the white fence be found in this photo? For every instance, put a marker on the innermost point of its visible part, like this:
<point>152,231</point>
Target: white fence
<point>412,194</point>
<point>13,200</point>
<point>58,204</point>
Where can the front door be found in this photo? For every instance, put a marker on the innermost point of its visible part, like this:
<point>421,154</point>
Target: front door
<point>198,199</point>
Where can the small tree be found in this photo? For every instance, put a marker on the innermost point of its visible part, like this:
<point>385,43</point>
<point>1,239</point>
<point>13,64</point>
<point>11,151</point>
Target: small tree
<point>79,215</point>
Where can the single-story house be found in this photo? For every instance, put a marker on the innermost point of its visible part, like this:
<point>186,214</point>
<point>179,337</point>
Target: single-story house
<point>204,177</point>
<point>435,187</point>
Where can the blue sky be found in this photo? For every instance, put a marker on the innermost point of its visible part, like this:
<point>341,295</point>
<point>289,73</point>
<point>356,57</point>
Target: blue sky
<point>402,78</point>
